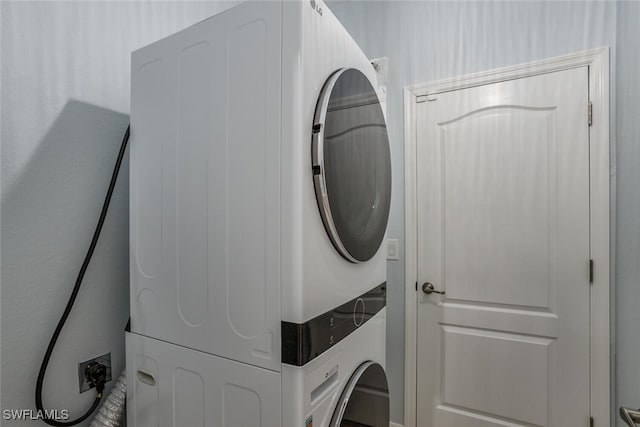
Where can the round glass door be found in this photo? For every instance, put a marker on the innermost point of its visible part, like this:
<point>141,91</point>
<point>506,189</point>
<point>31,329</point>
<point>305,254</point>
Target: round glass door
<point>352,164</point>
<point>364,400</point>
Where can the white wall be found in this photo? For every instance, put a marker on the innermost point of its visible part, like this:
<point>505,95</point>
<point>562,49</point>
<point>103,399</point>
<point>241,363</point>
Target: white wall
<point>65,103</point>
<point>427,41</point>
<point>628,206</point>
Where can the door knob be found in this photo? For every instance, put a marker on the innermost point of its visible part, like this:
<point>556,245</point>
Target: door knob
<point>428,289</point>
<point>630,416</point>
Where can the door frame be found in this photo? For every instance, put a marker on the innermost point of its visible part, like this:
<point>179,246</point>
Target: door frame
<point>601,210</point>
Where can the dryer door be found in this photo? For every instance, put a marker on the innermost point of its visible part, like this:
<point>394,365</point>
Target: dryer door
<point>352,164</point>
<point>365,399</point>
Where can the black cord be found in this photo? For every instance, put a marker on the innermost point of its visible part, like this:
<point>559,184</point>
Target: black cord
<point>72,299</point>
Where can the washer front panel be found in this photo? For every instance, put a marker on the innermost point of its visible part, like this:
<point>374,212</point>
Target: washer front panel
<point>365,399</point>
<point>352,164</point>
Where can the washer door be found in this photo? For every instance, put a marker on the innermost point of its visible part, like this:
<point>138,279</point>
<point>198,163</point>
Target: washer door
<point>365,399</point>
<point>352,164</point>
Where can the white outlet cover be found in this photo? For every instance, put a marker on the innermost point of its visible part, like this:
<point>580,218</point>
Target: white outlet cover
<point>393,249</point>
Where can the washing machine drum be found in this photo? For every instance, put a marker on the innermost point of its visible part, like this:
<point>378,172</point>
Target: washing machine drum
<point>364,400</point>
<point>351,164</point>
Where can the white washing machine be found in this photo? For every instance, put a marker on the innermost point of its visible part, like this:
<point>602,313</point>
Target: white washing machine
<point>259,197</point>
<point>346,386</point>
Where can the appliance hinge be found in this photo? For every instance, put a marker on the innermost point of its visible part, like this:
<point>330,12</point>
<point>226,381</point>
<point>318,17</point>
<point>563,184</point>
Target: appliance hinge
<point>590,421</point>
<point>421,98</point>
<point>590,113</point>
<point>416,286</point>
<point>591,267</point>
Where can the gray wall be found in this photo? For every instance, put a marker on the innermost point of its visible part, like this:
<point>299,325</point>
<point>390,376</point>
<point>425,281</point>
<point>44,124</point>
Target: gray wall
<point>65,100</point>
<point>628,206</point>
<point>427,41</point>
<point>65,103</point>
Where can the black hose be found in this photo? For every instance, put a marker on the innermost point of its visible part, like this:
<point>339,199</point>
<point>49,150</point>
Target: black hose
<point>72,299</point>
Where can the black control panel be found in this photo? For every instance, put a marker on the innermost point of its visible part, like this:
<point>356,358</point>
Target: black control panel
<point>303,342</point>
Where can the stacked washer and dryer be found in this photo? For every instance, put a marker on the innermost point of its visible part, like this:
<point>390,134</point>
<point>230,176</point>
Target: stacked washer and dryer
<point>259,198</point>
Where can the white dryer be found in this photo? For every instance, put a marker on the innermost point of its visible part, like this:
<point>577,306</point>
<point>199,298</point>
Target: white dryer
<point>259,197</point>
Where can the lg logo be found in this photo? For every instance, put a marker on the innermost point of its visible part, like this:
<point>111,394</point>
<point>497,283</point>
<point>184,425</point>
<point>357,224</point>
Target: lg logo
<point>316,6</point>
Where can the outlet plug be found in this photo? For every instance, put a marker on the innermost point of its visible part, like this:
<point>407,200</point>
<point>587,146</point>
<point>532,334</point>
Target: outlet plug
<point>94,371</point>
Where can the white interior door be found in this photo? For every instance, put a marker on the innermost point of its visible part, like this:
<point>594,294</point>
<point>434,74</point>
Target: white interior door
<point>503,229</point>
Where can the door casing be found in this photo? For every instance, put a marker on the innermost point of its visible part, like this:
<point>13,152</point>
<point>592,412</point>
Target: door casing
<point>601,210</point>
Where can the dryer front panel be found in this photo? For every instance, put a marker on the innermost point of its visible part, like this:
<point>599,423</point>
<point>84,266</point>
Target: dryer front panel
<point>352,164</point>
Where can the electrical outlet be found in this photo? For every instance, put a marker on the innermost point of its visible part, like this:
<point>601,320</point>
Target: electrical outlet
<point>105,359</point>
<point>393,249</point>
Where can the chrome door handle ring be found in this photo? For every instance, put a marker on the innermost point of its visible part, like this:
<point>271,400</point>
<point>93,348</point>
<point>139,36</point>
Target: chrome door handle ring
<point>630,416</point>
<point>427,288</point>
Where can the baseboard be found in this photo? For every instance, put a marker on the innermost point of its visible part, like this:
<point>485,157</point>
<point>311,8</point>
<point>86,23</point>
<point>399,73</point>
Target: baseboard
<point>392,424</point>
